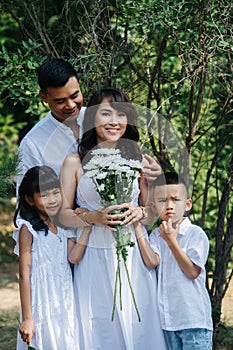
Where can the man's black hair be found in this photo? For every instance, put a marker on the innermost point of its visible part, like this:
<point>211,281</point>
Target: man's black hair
<point>55,72</point>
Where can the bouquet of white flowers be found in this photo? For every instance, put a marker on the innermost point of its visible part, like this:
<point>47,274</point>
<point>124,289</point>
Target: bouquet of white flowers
<point>113,177</point>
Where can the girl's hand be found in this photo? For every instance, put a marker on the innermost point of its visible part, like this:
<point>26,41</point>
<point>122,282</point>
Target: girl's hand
<point>77,211</point>
<point>26,331</point>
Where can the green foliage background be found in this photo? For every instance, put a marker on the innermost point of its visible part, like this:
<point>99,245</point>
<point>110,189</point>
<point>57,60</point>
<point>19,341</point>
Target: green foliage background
<point>174,60</point>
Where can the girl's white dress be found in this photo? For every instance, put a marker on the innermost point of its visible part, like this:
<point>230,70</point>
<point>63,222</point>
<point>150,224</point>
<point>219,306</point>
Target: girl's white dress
<point>94,279</point>
<point>53,306</point>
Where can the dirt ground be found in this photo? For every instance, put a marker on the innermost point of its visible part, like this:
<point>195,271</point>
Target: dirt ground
<point>9,305</point>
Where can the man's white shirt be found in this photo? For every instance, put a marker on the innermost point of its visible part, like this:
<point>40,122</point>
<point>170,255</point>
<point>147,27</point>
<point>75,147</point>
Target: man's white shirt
<point>47,143</point>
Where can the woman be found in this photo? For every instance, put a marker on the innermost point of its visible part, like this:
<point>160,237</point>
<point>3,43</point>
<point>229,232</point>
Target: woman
<point>109,122</point>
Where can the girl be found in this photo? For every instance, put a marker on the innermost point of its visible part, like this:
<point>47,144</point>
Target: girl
<point>109,122</point>
<point>48,320</point>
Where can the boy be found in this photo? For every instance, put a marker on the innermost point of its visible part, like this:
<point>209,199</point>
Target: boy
<point>184,303</point>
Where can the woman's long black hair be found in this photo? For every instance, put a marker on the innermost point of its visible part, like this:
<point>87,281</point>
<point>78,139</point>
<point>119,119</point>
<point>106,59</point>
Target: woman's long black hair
<point>119,101</point>
<point>36,180</point>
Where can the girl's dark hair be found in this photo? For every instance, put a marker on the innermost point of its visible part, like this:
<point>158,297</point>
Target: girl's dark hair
<point>55,72</point>
<point>119,101</point>
<point>36,180</point>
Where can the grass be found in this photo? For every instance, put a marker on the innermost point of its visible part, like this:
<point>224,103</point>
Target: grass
<point>9,323</point>
<point>223,338</point>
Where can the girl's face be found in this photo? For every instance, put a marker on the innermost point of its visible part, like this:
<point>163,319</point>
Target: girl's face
<point>110,124</point>
<point>47,202</point>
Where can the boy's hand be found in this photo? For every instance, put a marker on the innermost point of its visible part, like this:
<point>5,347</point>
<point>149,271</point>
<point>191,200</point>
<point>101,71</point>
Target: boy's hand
<point>167,231</point>
<point>137,226</point>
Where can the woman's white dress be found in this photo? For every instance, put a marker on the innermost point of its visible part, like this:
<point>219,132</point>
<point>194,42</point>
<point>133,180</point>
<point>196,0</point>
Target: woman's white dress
<point>53,306</point>
<point>94,279</point>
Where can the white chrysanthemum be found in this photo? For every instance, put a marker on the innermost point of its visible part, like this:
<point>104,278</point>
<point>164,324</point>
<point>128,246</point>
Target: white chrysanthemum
<point>105,151</point>
<point>135,164</point>
<point>132,173</point>
<point>101,188</point>
<point>112,196</point>
<point>101,175</point>
<point>92,173</point>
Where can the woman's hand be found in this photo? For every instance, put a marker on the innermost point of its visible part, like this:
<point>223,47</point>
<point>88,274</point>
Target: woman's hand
<point>107,217</point>
<point>132,213</point>
<point>26,331</point>
<point>124,214</point>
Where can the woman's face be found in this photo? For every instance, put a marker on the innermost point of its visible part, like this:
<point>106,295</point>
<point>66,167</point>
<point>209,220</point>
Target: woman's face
<point>110,124</point>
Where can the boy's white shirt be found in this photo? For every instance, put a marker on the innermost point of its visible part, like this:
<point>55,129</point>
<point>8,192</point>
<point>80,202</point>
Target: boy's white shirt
<point>183,303</point>
<point>47,143</point>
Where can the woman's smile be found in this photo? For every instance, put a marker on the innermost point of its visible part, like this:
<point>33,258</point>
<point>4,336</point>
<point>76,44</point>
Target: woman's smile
<point>110,123</point>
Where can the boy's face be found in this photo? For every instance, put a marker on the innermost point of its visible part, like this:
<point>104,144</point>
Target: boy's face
<point>170,201</point>
<point>66,101</point>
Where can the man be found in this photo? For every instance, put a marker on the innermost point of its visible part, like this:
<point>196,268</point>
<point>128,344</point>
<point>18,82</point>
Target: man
<point>56,135</point>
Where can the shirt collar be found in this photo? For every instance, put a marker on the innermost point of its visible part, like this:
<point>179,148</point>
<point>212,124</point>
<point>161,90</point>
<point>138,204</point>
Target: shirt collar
<point>184,226</point>
<point>60,124</point>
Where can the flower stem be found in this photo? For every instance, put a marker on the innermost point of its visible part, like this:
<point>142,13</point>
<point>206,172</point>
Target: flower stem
<point>120,285</point>
<point>116,283</point>
<point>131,289</point>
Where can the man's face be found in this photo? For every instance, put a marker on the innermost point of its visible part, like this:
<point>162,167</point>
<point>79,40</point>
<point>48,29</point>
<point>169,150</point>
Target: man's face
<point>66,101</point>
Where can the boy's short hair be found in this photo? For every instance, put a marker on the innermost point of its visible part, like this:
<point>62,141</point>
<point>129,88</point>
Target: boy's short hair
<point>55,72</point>
<point>169,178</point>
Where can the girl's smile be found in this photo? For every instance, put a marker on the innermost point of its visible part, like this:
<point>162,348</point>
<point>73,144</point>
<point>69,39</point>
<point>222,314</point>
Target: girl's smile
<point>47,202</point>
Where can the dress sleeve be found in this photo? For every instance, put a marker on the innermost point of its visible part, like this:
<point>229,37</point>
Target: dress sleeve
<point>69,232</point>
<point>20,223</point>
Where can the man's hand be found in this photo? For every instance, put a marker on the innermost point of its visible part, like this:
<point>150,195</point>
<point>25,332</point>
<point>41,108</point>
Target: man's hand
<point>151,169</point>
